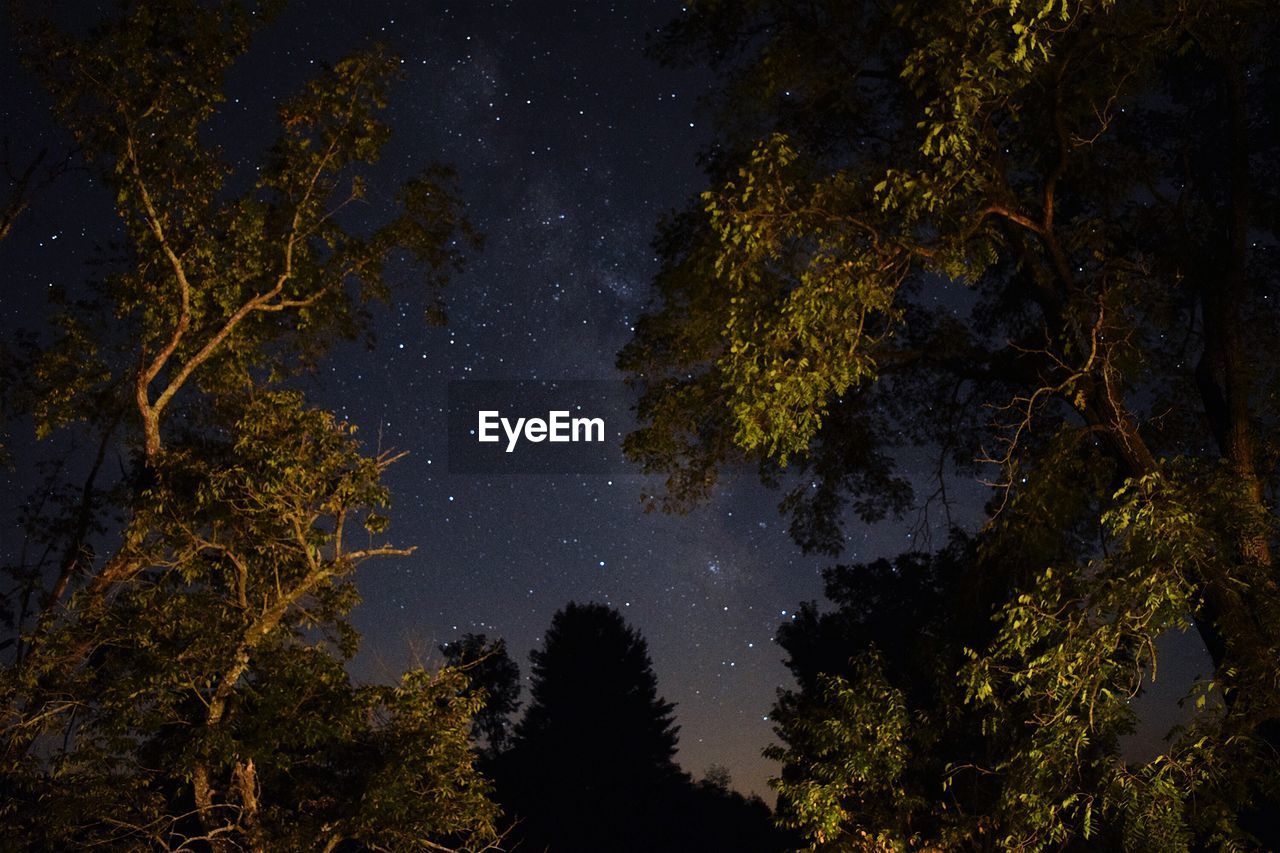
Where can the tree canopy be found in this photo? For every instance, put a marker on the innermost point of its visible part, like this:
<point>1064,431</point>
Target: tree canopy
<point>177,674</point>
<point>1031,238</point>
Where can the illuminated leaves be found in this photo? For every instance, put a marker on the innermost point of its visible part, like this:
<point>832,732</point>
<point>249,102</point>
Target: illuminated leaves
<point>1035,153</point>
<point>847,746</point>
<point>192,674</point>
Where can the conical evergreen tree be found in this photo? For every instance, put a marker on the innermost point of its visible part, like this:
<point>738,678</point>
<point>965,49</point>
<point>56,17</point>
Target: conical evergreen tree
<point>592,763</point>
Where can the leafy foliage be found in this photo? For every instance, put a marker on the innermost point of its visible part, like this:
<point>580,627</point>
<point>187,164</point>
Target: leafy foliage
<point>495,677</point>
<point>1027,238</point>
<point>177,676</point>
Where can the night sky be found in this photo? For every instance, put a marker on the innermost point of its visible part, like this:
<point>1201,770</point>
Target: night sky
<point>570,144</point>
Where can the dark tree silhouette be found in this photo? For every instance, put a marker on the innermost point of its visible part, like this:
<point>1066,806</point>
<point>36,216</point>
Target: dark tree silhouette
<point>592,763</point>
<point>591,766</point>
<point>713,816</point>
<point>489,669</point>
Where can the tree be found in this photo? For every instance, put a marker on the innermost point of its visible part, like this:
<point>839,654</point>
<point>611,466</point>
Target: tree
<point>879,745</point>
<point>177,677</point>
<point>1100,178</point>
<point>496,677</point>
<point>591,763</point>
<point>711,815</point>
<point>590,766</point>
